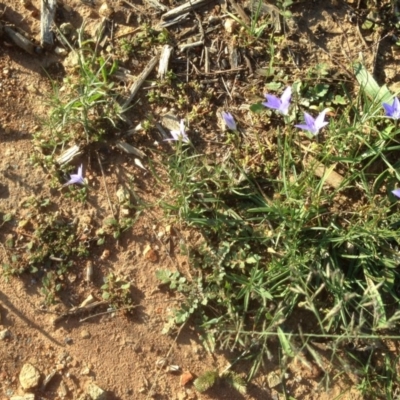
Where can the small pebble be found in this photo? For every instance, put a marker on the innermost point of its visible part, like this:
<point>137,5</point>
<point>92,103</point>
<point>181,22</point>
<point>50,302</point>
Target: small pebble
<point>4,334</point>
<point>85,371</point>
<point>68,340</point>
<point>85,334</point>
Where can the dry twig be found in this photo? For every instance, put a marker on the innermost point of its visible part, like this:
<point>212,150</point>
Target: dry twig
<point>105,185</point>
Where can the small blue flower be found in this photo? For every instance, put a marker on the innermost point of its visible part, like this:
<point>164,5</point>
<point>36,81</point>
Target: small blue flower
<point>229,121</point>
<point>181,134</point>
<point>76,178</point>
<point>392,111</point>
<point>396,192</point>
<point>313,125</point>
<point>280,104</point>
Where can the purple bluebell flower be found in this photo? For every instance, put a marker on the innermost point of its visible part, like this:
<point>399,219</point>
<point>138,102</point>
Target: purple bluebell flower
<point>392,111</point>
<point>313,125</point>
<point>229,121</point>
<point>396,192</point>
<point>280,104</point>
<point>76,178</point>
<point>181,134</point>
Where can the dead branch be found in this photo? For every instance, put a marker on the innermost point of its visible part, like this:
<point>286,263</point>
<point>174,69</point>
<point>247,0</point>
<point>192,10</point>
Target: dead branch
<point>46,23</point>
<point>19,39</point>
<point>184,8</point>
<point>139,81</point>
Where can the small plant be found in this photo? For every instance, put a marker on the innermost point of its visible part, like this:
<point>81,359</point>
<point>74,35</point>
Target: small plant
<point>275,243</point>
<point>86,106</point>
<point>43,244</point>
<point>209,379</point>
<point>117,292</point>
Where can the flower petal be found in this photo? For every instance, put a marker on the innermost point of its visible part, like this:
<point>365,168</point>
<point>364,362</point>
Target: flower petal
<point>286,96</point>
<point>396,192</point>
<point>396,108</point>
<point>182,127</point>
<point>273,102</point>
<point>76,178</point>
<point>305,127</point>
<point>388,109</point>
<point>310,121</point>
<point>319,121</point>
<point>229,120</point>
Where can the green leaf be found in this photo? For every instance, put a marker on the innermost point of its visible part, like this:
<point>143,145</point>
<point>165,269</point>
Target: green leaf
<point>321,89</point>
<point>7,217</point>
<point>252,260</point>
<point>208,341</point>
<point>379,307</point>
<point>339,100</point>
<point>181,316</point>
<point>105,295</point>
<point>237,382</point>
<point>368,24</point>
<point>126,286</point>
<point>287,14</point>
<point>286,347</point>
<point>370,86</point>
<point>206,381</point>
<point>257,108</point>
<point>273,86</point>
<point>163,275</point>
<point>110,222</point>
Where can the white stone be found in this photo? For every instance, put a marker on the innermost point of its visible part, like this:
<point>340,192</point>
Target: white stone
<point>29,377</point>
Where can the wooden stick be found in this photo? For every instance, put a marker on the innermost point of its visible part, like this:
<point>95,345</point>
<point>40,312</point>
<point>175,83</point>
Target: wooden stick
<point>239,10</point>
<point>108,312</point>
<point>190,45</point>
<point>164,60</point>
<point>139,82</point>
<point>46,23</point>
<point>105,184</point>
<point>78,310</point>
<point>184,8</point>
<point>172,22</point>
<point>19,40</point>
<point>157,5</point>
<point>206,60</point>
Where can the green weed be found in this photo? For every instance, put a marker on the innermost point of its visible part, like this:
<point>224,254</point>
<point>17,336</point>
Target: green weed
<point>290,242</point>
<point>85,108</point>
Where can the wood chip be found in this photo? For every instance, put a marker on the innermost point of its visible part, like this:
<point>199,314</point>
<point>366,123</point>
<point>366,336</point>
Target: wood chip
<point>139,163</point>
<point>156,4</point>
<point>164,61</point>
<point>172,22</point>
<point>19,39</point>
<point>48,11</point>
<point>68,155</point>
<point>190,45</point>
<point>139,82</point>
<point>184,8</point>
<point>127,148</point>
<point>329,176</point>
<point>234,59</point>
